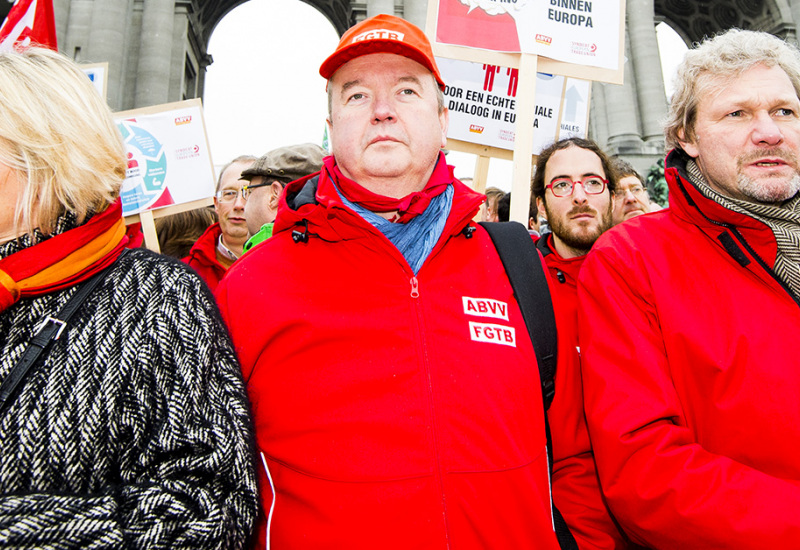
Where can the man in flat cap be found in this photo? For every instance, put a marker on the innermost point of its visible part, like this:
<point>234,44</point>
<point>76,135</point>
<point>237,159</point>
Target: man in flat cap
<point>394,387</point>
<point>267,177</point>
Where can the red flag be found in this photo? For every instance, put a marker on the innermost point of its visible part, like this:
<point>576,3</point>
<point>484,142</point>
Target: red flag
<point>29,22</point>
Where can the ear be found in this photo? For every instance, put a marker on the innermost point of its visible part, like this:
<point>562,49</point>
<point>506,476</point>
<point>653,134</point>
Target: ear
<point>541,207</point>
<point>275,191</point>
<point>216,205</point>
<point>690,147</point>
<point>444,122</point>
<point>329,127</point>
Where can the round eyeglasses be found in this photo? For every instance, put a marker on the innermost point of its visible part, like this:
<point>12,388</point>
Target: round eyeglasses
<point>636,190</point>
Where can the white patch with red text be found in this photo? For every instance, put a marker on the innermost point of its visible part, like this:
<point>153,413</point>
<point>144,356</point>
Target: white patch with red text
<point>485,307</point>
<point>493,334</point>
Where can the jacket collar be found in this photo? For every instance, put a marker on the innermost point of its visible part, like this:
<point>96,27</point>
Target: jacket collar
<point>689,204</point>
<point>313,202</point>
<point>204,250</point>
<point>570,266</point>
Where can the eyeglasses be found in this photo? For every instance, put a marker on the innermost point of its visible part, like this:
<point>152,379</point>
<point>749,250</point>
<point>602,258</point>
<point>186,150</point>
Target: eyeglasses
<point>229,195</point>
<point>636,190</point>
<point>563,187</point>
<point>247,189</point>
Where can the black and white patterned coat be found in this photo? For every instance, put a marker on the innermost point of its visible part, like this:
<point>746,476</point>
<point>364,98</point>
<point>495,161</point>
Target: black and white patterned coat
<point>134,431</point>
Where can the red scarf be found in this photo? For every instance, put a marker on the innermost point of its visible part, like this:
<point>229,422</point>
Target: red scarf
<point>407,207</point>
<point>63,260</point>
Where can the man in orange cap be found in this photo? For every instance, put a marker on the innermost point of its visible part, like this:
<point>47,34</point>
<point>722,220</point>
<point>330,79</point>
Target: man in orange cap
<point>395,391</point>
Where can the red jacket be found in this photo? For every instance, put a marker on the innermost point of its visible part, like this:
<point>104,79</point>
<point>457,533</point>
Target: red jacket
<point>576,490</point>
<point>563,271</point>
<point>691,377</point>
<point>391,410</point>
<point>203,257</point>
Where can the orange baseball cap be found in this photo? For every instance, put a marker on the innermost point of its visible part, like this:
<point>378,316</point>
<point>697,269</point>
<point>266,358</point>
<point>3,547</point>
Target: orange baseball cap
<point>382,34</point>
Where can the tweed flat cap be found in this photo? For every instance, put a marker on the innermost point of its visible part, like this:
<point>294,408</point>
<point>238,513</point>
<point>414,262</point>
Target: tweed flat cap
<point>287,163</point>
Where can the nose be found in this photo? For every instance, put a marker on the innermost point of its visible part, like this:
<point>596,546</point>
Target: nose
<point>629,197</point>
<point>240,201</point>
<point>578,194</point>
<point>383,109</point>
<point>766,130</point>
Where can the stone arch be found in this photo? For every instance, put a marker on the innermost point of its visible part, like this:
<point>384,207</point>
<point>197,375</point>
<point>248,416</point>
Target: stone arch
<point>211,12</point>
<point>154,58</point>
<point>694,20</point>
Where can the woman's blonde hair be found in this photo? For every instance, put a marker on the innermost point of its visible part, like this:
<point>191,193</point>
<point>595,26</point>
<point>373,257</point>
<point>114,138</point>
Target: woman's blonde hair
<point>57,134</point>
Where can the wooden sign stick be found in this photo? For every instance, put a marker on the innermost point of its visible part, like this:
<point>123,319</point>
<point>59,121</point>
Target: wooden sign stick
<point>523,138</point>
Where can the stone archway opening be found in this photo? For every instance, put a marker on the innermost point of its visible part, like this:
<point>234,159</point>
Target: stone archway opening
<point>671,48</point>
<point>262,90</point>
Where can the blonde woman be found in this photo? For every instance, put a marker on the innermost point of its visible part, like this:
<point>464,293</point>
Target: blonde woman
<point>126,424</point>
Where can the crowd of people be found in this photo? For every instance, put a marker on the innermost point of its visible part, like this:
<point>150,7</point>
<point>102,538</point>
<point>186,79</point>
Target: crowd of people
<point>344,362</point>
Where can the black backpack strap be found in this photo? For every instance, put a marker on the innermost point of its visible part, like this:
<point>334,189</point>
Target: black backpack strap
<point>47,331</point>
<point>529,282</point>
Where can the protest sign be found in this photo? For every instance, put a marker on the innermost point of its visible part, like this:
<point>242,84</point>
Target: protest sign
<point>582,39</point>
<point>583,32</point>
<point>482,100</point>
<point>498,31</point>
<point>169,163</point>
<point>168,156</point>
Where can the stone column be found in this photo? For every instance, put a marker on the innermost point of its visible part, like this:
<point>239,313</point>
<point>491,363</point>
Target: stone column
<point>647,66</point>
<point>598,123</point>
<point>153,76</point>
<point>73,40</point>
<point>795,6</point>
<point>61,13</point>
<point>374,7</point>
<point>205,61</point>
<point>107,42</point>
<point>622,111</point>
<point>416,11</point>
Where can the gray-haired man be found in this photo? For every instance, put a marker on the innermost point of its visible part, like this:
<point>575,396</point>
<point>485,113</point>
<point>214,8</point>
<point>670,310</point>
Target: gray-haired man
<point>690,378</point>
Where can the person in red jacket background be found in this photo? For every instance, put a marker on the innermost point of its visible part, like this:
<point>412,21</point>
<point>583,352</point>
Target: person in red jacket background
<point>222,243</point>
<point>573,186</point>
<point>688,314</point>
<point>393,383</point>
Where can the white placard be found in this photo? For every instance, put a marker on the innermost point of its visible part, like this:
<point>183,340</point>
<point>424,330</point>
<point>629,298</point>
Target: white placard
<point>168,156</point>
<point>582,32</point>
<point>482,100</point>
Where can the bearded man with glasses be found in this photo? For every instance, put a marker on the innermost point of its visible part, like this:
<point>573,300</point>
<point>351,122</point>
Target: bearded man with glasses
<point>222,243</point>
<point>574,186</point>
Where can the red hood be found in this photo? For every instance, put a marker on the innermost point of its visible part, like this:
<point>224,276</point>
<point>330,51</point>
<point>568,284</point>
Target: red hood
<point>688,203</point>
<point>204,250</point>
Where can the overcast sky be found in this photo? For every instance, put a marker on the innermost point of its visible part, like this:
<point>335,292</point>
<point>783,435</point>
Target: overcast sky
<point>263,90</point>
